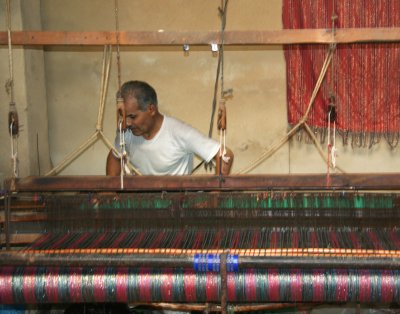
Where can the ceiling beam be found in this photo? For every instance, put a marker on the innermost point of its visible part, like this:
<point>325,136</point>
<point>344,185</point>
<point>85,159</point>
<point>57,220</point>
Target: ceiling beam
<point>171,38</point>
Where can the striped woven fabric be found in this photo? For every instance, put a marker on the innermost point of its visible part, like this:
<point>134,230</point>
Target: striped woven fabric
<point>256,226</point>
<point>103,284</point>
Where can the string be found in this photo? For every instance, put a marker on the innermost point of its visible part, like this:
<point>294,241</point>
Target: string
<point>12,115</point>
<point>219,70</point>
<point>302,121</point>
<point>223,24</point>
<point>118,44</point>
<point>122,120</point>
<point>332,104</point>
<point>122,153</point>
<point>10,83</point>
<point>14,153</point>
<point>222,110</point>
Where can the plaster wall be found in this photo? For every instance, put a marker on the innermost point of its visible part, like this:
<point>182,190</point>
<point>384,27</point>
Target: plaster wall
<point>185,85</point>
<point>27,69</point>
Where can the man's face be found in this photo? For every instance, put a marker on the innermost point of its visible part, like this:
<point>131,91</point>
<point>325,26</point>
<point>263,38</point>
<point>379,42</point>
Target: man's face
<point>139,122</point>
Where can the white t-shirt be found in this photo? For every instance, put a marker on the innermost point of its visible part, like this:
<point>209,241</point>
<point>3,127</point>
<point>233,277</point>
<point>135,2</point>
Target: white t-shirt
<point>170,151</point>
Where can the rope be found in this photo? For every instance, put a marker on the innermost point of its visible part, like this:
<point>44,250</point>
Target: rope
<point>118,44</point>
<point>107,54</point>
<point>222,10</point>
<point>301,122</point>
<point>214,103</point>
<point>318,146</point>
<point>13,122</point>
<point>10,83</point>
<point>121,118</point>
<point>103,85</point>
<point>331,158</point>
<point>222,109</point>
<point>14,153</point>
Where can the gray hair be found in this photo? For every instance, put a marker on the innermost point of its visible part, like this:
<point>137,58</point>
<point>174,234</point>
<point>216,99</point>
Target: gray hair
<point>141,91</point>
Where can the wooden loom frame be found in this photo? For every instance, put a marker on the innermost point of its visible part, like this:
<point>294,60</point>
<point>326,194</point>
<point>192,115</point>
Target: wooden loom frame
<point>352,182</point>
<point>341,183</point>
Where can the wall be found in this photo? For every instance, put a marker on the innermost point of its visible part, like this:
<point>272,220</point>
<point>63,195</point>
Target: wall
<point>185,84</point>
<point>29,95</point>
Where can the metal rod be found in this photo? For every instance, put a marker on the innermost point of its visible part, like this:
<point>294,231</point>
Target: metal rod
<point>186,261</point>
<point>7,214</point>
<point>224,283</point>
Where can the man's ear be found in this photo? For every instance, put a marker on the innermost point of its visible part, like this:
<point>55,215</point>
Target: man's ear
<point>152,109</point>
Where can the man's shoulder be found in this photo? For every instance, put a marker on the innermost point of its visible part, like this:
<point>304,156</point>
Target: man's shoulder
<point>175,123</point>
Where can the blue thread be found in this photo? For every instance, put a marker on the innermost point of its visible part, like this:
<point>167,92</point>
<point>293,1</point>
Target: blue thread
<point>212,263</point>
<point>232,263</point>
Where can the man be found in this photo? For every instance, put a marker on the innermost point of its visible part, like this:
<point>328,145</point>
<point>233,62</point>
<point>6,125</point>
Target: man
<point>157,144</point>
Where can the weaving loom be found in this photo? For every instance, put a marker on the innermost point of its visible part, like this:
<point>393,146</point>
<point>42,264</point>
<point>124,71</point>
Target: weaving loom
<point>204,239</point>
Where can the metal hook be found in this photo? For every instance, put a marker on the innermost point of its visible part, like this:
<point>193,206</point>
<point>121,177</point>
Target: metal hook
<point>214,49</point>
<point>186,49</point>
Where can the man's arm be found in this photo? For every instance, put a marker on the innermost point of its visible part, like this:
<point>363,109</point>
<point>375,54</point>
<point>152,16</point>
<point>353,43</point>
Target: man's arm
<point>113,166</point>
<point>225,166</point>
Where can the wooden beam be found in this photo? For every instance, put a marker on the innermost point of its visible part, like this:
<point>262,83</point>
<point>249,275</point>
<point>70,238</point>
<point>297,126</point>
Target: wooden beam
<point>171,38</point>
<point>21,238</point>
<point>340,182</point>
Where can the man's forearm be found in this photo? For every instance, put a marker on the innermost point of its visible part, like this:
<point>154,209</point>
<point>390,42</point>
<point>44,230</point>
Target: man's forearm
<point>113,166</point>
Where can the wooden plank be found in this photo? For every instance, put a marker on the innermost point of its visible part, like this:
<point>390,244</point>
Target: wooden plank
<point>21,238</point>
<point>301,182</point>
<point>174,38</point>
<point>24,217</point>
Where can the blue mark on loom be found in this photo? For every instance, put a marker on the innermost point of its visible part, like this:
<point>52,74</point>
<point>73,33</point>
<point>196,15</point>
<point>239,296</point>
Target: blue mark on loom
<point>212,263</point>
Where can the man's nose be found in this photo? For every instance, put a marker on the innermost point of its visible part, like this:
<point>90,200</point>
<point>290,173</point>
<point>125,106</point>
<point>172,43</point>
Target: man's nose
<point>128,121</point>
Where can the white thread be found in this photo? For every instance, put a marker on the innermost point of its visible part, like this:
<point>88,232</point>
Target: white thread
<point>122,153</point>
<point>14,151</point>
<point>333,149</point>
<point>222,146</point>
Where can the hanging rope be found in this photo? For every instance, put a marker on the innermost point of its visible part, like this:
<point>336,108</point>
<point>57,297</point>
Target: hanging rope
<point>220,66</point>
<point>118,44</point>
<point>119,101</point>
<point>224,94</point>
<point>13,123</point>
<point>301,122</point>
<point>121,118</point>
<point>331,148</point>
<point>222,11</point>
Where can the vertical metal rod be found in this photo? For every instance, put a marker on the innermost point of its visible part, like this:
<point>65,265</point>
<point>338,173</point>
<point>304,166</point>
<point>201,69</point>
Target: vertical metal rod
<point>10,52</point>
<point>7,205</point>
<point>224,283</point>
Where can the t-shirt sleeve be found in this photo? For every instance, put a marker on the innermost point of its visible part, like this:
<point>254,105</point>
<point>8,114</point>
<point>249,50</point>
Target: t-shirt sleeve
<point>199,144</point>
